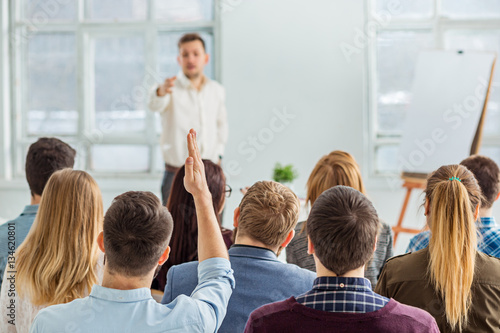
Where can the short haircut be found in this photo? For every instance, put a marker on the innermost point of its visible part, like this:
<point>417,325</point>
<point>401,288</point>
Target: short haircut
<point>44,157</point>
<point>343,227</point>
<point>487,174</point>
<point>137,229</point>
<point>191,37</point>
<point>268,212</point>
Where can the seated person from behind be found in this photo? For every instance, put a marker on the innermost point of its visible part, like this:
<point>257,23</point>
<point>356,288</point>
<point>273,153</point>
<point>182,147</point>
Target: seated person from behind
<point>342,232</point>
<point>264,224</point>
<point>44,157</point>
<point>487,174</point>
<point>137,229</point>
<point>451,279</point>
<point>338,168</point>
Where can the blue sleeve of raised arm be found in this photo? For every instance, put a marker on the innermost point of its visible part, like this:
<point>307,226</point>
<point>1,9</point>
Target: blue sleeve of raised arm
<point>215,286</point>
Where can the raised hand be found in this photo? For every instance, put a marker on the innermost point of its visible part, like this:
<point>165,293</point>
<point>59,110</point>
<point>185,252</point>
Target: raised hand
<point>195,180</point>
<point>166,87</point>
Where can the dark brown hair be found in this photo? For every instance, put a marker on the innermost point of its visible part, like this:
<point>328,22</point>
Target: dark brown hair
<point>44,157</point>
<point>184,242</point>
<point>190,37</point>
<point>343,227</point>
<point>487,174</point>
<point>137,229</point>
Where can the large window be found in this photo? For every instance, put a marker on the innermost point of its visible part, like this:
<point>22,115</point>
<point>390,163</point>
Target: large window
<point>81,70</point>
<point>402,29</point>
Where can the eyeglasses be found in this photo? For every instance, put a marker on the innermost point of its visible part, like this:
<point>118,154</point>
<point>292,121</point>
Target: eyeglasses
<point>228,191</point>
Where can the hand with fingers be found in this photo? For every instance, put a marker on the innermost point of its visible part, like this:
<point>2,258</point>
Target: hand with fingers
<point>166,87</point>
<point>195,180</point>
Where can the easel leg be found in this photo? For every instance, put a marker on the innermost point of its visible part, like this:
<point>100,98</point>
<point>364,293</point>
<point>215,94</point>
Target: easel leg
<point>401,215</point>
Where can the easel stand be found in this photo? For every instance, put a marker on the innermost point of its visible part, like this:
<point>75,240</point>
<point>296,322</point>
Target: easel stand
<point>409,184</point>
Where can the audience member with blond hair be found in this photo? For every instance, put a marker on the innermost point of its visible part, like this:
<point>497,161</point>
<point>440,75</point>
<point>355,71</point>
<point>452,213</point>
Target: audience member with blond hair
<point>264,222</point>
<point>137,229</point>
<point>59,260</point>
<point>487,174</point>
<point>337,168</point>
<point>450,279</point>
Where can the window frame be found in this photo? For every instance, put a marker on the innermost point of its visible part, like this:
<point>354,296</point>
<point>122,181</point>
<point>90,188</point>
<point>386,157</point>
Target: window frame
<point>88,133</point>
<point>438,25</point>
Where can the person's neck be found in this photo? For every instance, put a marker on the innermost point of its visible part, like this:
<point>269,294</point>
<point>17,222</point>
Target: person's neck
<point>197,81</point>
<point>244,240</point>
<point>114,280</point>
<point>35,199</point>
<point>485,212</point>
<point>323,271</point>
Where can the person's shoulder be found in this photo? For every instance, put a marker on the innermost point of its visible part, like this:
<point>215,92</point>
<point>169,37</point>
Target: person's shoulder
<point>294,270</point>
<point>214,83</point>
<point>185,266</point>
<point>421,235</point>
<point>408,258</point>
<point>488,267</point>
<point>182,274</point>
<point>411,313</point>
<point>404,267</point>
<point>273,308</point>
<point>57,315</point>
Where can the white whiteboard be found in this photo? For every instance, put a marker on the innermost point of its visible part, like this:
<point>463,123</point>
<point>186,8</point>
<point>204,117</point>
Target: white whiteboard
<point>448,94</point>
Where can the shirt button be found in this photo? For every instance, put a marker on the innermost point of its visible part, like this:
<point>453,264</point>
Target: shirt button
<point>341,285</point>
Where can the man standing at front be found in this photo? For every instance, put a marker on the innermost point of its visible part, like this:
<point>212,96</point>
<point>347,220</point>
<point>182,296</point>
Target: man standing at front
<point>189,100</point>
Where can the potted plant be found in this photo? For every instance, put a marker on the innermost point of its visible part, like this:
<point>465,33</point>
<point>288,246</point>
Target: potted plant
<point>284,174</point>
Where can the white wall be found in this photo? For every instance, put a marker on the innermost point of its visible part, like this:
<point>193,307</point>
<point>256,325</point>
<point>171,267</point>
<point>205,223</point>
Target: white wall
<point>282,55</point>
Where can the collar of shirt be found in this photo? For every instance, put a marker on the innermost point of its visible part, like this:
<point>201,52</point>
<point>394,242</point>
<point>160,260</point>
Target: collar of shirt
<point>486,222</point>
<point>186,83</point>
<point>241,250</point>
<point>30,210</point>
<point>342,283</point>
<point>121,296</point>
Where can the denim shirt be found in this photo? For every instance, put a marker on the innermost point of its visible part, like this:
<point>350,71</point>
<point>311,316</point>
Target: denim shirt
<point>13,233</point>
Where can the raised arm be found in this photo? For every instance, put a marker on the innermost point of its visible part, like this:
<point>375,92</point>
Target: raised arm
<point>210,241</point>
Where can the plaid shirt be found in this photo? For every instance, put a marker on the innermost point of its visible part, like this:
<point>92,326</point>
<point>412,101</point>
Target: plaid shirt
<point>488,238</point>
<point>342,294</point>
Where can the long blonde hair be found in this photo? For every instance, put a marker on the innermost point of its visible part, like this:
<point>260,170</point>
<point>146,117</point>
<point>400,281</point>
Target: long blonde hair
<point>453,195</point>
<point>56,263</point>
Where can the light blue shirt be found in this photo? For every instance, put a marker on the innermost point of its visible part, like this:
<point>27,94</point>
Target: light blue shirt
<point>13,233</point>
<point>113,310</point>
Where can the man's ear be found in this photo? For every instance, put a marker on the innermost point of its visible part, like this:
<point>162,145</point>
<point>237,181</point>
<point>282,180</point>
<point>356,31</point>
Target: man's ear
<point>207,58</point>
<point>236,217</point>
<point>100,241</point>
<point>288,239</point>
<point>476,213</point>
<point>179,59</point>
<point>310,246</point>
<point>164,256</point>
<point>498,196</point>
